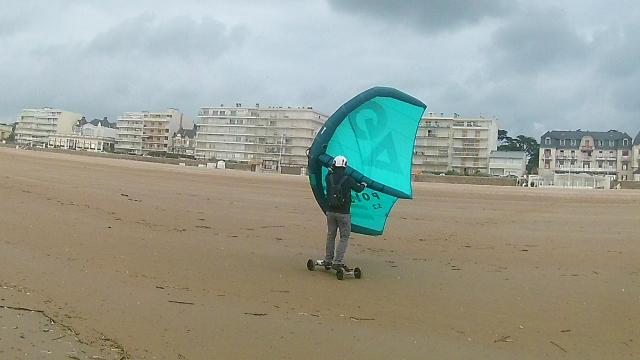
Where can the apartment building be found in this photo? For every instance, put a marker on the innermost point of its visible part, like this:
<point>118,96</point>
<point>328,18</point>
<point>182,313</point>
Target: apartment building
<point>271,138</point>
<point>142,132</point>
<point>34,126</point>
<point>588,152</point>
<point>457,144</point>
<point>636,158</point>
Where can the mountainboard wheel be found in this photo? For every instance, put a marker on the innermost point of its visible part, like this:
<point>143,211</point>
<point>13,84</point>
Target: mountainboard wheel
<point>340,274</point>
<point>311,265</point>
<point>357,273</point>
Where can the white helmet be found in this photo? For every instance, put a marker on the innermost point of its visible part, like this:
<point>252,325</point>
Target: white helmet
<point>340,161</point>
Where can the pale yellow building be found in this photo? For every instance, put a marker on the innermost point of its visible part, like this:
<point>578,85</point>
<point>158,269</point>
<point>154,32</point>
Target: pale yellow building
<point>269,138</point>
<point>5,131</point>
<point>457,144</point>
<point>143,132</point>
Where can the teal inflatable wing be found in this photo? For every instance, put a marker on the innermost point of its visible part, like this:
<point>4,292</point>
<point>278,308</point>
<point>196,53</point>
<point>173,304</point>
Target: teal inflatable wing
<point>376,131</point>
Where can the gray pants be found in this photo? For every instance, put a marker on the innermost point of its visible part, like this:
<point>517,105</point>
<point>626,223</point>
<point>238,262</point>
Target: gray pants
<point>335,221</point>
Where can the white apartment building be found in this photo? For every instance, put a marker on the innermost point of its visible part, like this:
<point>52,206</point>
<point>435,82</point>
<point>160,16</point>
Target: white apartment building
<point>98,135</point>
<point>588,152</point>
<point>636,158</point>
<point>457,144</point>
<point>271,138</point>
<point>143,132</point>
<point>34,126</point>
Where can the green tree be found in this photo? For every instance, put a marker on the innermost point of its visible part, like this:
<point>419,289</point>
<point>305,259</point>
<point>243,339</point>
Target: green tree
<point>521,143</point>
<point>12,137</point>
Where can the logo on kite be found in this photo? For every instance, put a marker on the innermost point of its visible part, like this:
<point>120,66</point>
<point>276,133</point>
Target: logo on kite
<point>376,131</point>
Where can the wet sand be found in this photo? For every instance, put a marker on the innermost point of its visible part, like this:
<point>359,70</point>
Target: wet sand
<point>171,262</point>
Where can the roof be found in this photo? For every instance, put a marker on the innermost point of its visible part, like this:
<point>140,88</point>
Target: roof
<point>636,141</point>
<point>103,122</point>
<point>189,133</point>
<point>508,154</point>
<point>604,136</point>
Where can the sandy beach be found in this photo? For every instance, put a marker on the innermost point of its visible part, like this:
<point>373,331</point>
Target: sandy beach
<point>116,259</point>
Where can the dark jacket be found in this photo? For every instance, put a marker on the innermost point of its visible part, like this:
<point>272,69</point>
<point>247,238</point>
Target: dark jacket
<point>348,185</point>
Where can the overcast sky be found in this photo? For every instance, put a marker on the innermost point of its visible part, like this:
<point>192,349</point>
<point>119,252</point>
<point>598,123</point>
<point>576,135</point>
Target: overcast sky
<point>536,65</point>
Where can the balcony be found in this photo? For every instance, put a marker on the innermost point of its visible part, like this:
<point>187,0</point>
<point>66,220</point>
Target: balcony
<point>586,148</point>
<point>126,131</point>
<point>129,146</point>
<point>463,136</point>
<point>465,154</point>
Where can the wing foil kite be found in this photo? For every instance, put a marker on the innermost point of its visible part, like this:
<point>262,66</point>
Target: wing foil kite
<point>376,131</point>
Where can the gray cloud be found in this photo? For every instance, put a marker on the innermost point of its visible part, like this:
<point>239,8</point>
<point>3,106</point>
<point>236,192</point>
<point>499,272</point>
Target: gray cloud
<point>427,15</point>
<point>539,40</point>
<point>180,36</point>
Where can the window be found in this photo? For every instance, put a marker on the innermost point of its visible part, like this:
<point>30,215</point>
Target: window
<point>611,143</point>
<point>611,153</point>
<point>573,142</point>
<point>547,141</point>
<point>625,152</point>
<point>240,121</point>
<point>234,113</point>
<point>232,121</point>
<point>573,154</point>
<point>599,164</point>
<point>600,143</point>
<point>625,142</point>
<point>586,143</point>
<point>624,166</point>
<point>458,123</point>
<point>562,142</point>
<point>585,165</point>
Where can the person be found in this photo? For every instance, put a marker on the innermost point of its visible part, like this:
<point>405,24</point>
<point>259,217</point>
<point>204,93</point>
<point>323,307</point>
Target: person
<point>339,216</point>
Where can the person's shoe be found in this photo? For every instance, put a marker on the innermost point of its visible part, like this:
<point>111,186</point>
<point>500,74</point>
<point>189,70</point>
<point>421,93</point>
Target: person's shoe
<point>340,266</point>
<point>325,263</point>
